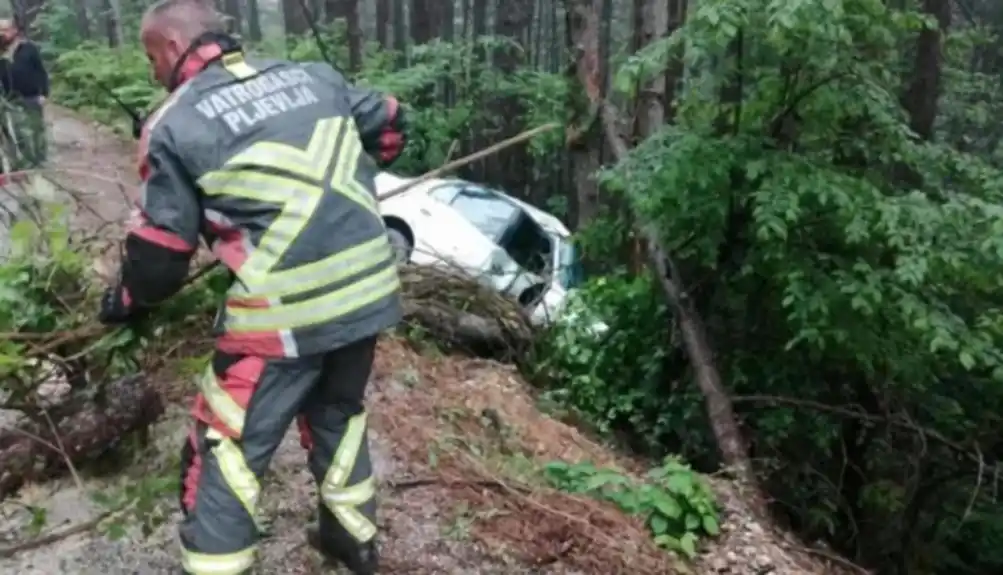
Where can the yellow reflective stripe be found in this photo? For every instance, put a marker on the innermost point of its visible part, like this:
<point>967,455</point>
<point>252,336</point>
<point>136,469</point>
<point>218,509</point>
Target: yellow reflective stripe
<point>234,63</point>
<point>352,495</point>
<point>348,451</point>
<point>344,173</point>
<point>342,500</point>
<point>220,402</point>
<point>316,310</point>
<point>298,202</point>
<point>355,523</point>
<point>330,270</point>
<point>311,163</point>
<point>222,564</point>
<point>238,476</point>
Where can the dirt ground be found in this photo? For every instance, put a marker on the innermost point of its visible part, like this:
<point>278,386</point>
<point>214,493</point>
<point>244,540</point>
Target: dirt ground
<point>454,443</point>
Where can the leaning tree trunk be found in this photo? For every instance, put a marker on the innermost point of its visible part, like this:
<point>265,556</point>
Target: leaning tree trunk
<point>85,429</point>
<point>583,23</point>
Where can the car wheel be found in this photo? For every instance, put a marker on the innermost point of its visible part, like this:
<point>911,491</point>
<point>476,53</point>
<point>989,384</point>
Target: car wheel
<point>401,245</point>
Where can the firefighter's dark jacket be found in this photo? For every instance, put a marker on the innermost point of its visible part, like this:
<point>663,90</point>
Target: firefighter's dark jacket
<point>273,163</point>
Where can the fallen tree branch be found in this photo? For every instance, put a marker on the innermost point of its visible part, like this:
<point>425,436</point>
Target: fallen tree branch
<point>469,159</point>
<point>85,428</point>
<point>923,432</point>
<point>55,536</point>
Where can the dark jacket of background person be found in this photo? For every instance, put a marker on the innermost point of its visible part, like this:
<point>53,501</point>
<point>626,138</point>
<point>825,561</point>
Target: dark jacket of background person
<point>22,73</point>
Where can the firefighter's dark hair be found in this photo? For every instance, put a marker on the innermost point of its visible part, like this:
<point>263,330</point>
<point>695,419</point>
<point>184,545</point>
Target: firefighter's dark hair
<point>190,18</point>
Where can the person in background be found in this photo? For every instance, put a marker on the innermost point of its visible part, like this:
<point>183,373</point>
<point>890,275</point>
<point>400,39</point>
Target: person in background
<point>24,85</point>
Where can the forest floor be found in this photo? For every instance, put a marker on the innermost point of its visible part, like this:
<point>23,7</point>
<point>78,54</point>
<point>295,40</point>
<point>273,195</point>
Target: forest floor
<point>454,440</point>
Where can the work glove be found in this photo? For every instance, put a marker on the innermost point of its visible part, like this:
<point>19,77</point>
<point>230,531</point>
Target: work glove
<point>114,309</point>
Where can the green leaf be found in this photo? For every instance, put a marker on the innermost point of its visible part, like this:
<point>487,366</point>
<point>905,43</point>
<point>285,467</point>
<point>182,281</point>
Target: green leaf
<point>668,506</point>
<point>688,545</point>
<point>692,522</point>
<point>710,525</point>
<point>967,361</point>
<point>658,523</point>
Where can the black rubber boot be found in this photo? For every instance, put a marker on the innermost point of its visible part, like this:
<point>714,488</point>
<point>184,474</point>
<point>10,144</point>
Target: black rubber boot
<point>360,559</point>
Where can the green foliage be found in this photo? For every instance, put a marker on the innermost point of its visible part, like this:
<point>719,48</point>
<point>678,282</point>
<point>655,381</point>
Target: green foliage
<point>82,74</point>
<point>846,271</point>
<point>607,391</point>
<point>677,504</point>
<point>49,298</point>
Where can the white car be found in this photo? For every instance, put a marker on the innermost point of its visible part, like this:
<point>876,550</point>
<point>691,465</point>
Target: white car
<point>508,244</point>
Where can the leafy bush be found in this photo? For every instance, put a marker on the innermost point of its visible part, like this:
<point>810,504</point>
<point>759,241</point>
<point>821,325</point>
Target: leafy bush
<point>676,503</point>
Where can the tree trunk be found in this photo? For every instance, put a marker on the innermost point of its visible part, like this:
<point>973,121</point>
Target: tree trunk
<point>86,429</point>
<point>400,32</point>
<point>674,71</point>
<point>508,168</point>
<point>236,22</point>
<point>382,23</point>
<point>584,34</point>
<point>447,30</point>
<point>653,21</point>
<point>253,21</point>
<point>423,20</point>
<point>113,28</point>
<point>294,18</point>
<point>479,13</point>
<point>585,141</point>
<point>82,20</point>
<point>348,10</point>
<point>923,93</point>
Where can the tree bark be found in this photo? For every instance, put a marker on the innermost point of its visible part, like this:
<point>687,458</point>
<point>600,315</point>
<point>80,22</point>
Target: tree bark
<point>423,20</point>
<point>82,19</point>
<point>400,32</point>
<point>585,140</point>
<point>253,21</point>
<point>382,23</point>
<point>348,10</point>
<point>236,21</point>
<point>923,94</point>
<point>294,18</point>
<point>86,429</point>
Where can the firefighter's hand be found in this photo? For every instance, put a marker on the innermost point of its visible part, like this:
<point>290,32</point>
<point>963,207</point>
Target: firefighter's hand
<point>115,307</point>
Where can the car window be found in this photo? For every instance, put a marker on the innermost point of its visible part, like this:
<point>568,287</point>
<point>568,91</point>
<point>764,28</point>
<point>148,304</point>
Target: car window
<point>489,212</point>
<point>445,192</point>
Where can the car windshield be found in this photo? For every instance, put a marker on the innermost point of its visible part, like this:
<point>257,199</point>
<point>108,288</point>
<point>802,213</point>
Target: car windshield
<point>569,265</point>
<point>489,211</point>
<point>503,221</point>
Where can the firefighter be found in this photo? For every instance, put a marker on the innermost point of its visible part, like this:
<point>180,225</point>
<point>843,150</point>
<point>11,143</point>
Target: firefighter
<point>272,162</point>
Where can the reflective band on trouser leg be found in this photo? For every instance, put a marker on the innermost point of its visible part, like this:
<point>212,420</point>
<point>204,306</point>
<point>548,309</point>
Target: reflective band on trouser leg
<point>232,415</point>
<point>222,405</point>
<point>343,500</point>
<point>239,478</point>
<point>225,564</point>
<point>242,483</point>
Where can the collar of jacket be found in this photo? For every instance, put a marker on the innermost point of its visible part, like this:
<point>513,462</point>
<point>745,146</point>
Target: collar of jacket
<point>194,62</point>
<point>8,51</point>
<point>202,52</point>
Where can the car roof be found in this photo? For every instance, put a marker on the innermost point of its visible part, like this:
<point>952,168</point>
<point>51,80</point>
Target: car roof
<point>386,181</point>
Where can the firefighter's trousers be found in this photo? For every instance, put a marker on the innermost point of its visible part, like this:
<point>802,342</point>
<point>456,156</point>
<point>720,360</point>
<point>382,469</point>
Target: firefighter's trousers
<point>244,408</point>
